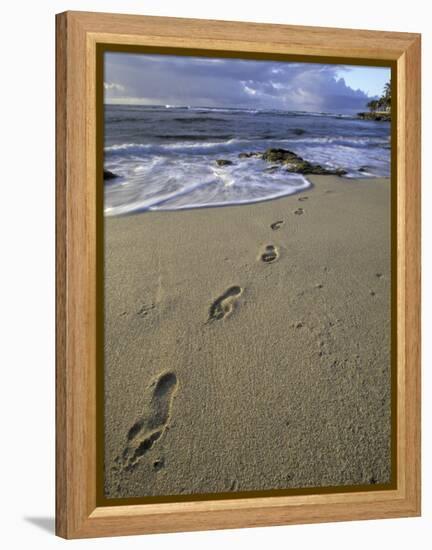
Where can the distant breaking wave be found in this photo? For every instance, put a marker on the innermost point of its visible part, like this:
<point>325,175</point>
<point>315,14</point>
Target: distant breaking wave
<point>240,145</point>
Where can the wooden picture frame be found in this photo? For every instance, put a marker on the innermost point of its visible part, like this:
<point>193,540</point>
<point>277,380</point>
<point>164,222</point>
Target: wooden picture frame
<point>79,35</point>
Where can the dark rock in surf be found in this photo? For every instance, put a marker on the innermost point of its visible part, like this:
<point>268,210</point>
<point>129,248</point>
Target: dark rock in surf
<point>110,175</point>
<point>224,162</point>
<point>294,163</point>
<point>282,156</point>
<point>248,155</point>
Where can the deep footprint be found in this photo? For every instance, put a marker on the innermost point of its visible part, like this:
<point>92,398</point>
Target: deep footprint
<point>276,225</point>
<point>224,305</point>
<point>270,254</point>
<point>299,211</point>
<point>150,427</point>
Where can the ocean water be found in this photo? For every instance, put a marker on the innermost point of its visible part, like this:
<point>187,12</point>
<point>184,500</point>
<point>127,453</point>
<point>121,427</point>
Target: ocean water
<point>166,156</point>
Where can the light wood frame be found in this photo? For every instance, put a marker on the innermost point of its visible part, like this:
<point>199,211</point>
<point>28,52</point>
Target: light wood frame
<point>77,513</point>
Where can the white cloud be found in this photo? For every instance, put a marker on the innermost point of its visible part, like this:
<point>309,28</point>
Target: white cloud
<point>248,90</point>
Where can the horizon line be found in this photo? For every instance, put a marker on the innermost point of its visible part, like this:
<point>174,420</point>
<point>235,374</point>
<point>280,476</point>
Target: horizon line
<point>169,106</point>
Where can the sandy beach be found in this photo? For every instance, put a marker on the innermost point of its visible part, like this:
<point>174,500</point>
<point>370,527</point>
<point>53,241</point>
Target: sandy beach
<point>248,347</point>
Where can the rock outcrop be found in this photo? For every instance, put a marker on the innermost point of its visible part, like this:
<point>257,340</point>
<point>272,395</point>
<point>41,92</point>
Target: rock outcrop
<point>293,162</point>
<point>375,115</point>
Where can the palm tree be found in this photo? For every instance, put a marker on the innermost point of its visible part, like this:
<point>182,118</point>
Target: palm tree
<point>386,96</point>
<point>383,103</point>
<point>372,105</point>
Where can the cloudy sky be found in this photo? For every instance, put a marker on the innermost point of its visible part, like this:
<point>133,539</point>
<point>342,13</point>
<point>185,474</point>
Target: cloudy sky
<point>208,82</point>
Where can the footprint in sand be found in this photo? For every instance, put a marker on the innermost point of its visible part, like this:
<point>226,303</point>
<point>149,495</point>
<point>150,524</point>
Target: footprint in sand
<point>145,309</point>
<point>270,254</point>
<point>299,211</point>
<point>303,198</point>
<point>152,424</point>
<point>224,305</point>
<point>276,225</point>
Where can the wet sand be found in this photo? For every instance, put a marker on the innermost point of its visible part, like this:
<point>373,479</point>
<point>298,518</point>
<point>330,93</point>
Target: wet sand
<point>248,347</point>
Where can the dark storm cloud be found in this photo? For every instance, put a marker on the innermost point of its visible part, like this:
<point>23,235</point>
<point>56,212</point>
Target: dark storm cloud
<point>158,79</point>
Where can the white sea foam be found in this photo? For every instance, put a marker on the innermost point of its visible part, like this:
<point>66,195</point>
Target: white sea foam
<point>162,184</point>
